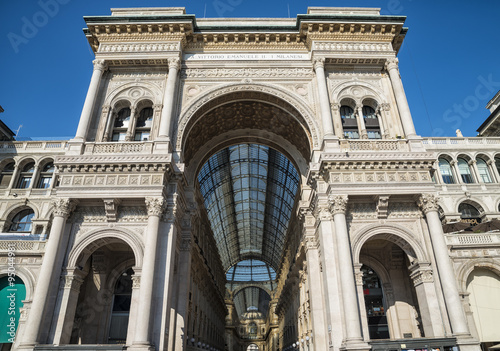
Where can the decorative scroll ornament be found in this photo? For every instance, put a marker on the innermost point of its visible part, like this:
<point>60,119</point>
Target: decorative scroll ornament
<point>428,203</point>
<point>155,205</point>
<point>63,207</point>
<point>338,203</point>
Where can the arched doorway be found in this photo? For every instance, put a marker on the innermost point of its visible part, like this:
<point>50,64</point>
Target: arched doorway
<point>483,285</point>
<point>390,298</point>
<point>103,305</point>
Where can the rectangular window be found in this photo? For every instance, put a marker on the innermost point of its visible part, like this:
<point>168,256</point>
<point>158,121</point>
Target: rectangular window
<point>24,182</point>
<point>44,182</point>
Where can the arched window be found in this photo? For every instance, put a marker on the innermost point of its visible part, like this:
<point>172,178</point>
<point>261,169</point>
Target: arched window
<point>374,304</point>
<point>349,123</point>
<point>6,174</point>
<point>497,163</point>
<point>46,176</point>
<point>469,213</point>
<point>446,172</point>
<point>143,126</point>
<point>463,168</point>
<point>26,176</point>
<point>120,312</point>
<point>484,172</point>
<point>121,124</point>
<point>21,223</point>
<point>371,123</point>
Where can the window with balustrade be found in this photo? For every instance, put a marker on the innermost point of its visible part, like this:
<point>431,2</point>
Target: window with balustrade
<point>46,174</point>
<point>26,175</point>
<point>121,123</point>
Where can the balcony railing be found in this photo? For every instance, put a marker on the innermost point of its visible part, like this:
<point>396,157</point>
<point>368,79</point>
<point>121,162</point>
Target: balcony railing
<point>32,146</point>
<point>374,145</point>
<point>134,147</point>
<point>462,141</point>
<point>20,244</point>
<point>473,239</point>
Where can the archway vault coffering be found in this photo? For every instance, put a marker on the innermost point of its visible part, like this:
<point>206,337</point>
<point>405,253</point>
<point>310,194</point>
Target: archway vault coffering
<point>248,111</point>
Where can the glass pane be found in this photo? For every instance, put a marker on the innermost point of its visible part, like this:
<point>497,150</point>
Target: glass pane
<point>484,172</point>
<point>24,182</point>
<point>446,171</point>
<point>463,168</point>
<point>347,112</point>
<point>122,120</point>
<point>22,221</point>
<point>44,182</point>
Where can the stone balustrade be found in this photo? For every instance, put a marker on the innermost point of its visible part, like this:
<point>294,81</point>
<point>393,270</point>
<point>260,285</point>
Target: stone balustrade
<point>33,146</point>
<point>473,239</point>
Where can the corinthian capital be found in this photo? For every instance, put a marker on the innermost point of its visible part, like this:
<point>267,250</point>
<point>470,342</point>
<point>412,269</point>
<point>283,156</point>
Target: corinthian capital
<point>338,203</point>
<point>174,63</point>
<point>155,205</point>
<point>319,62</point>
<point>99,65</point>
<point>391,63</point>
<point>428,203</point>
<point>63,207</point>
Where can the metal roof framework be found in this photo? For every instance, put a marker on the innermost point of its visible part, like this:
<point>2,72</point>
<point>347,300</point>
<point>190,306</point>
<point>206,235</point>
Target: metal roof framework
<point>249,192</point>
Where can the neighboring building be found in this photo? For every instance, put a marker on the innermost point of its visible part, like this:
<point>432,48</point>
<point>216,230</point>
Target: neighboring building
<point>5,133</point>
<point>250,184</point>
<point>490,126</point>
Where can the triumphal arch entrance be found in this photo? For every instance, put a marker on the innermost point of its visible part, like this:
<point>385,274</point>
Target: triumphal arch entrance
<point>245,184</point>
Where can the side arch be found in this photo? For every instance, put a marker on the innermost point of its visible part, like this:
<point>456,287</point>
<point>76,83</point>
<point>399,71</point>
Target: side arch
<point>465,270</point>
<point>100,237</point>
<point>393,233</point>
<point>26,276</point>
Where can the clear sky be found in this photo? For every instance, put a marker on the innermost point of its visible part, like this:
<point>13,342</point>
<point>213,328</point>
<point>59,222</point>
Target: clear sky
<point>449,61</point>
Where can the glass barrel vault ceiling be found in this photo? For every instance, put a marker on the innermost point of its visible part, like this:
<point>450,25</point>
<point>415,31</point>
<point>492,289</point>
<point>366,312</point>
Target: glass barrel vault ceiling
<point>249,192</point>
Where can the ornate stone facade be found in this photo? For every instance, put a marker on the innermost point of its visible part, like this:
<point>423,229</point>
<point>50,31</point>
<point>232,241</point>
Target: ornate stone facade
<point>114,232</point>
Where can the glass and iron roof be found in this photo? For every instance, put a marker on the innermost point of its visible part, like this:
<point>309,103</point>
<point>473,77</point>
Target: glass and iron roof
<point>249,192</point>
<point>252,303</point>
<point>250,271</point>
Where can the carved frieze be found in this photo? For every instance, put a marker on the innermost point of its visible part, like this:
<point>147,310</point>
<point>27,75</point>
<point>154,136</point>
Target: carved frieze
<point>267,73</point>
<point>362,211</point>
<point>403,210</point>
<point>352,46</point>
<point>136,47</point>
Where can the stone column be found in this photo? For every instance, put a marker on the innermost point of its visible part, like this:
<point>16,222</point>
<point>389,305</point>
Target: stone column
<point>361,122</point>
<point>109,125</point>
<point>421,274</point>
<point>337,120</point>
<point>381,121</point>
<point>384,113</point>
<point>155,206</point>
<point>15,175</point>
<point>88,106</point>
<point>353,337</point>
<point>358,274</point>
<point>428,203</point>
<point>51,267</point>
<point>324,101</point>
<point>174,65</point>
<point>184,276</point>
<point>404,110</point>
<point>131,126</point>
<point>165,278</point>
<point>34,177</point>
<point>475,171</point>
<point>495,176</point>
<point>134,304</point>
<point>71,283</point>
<point>317,306</point>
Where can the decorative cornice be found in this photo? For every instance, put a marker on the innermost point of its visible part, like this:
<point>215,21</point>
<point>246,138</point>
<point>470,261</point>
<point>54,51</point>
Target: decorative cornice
<point>155,205</point>
<point>428,203</point>
<point>130,48</point>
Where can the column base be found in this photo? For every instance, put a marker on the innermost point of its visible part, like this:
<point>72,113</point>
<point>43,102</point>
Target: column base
<point>162,145</point>
<point>467,343</point>
<point>356,345</point>
<point>141,347</point>
<point>330,143</point>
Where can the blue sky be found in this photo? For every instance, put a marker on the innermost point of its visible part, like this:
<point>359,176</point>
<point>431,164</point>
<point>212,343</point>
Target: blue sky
<point>449,61</point>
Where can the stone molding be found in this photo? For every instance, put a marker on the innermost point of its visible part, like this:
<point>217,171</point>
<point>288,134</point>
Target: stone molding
<point>352,47</point>
<point>106,48</point>
<point>247,72</point>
